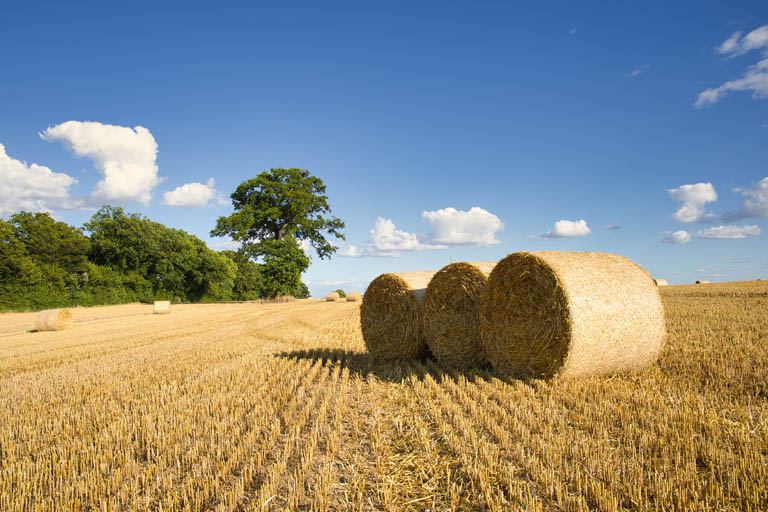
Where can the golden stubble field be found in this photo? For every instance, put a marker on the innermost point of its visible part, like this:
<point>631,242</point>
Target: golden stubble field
<point>278,407</point>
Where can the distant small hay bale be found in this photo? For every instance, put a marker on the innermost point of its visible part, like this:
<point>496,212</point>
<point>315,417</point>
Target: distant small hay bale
<point>53,320</point>
<point>702,281</point>
<point>660,282</point>
<point>162,307</point>
<point>568,314</point>
<point>451,313</point>
<point>390,315</point>
<point>332,297</point>
<point>353,296</point>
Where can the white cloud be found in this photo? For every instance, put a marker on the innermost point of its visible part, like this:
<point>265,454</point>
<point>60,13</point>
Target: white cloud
<point>32,187</point>
<point>756,204</point>
<point>737,45</point>
<point>386,240</point>
<point>124,156</point>
<point>193,195</point>
<point>678,237</point>
<point>350,251</point>
<point>450,226</point>
<point>755,79</point>
<point>728,232</point>
<point>568,229</point>
<point>573,31</point>
<point>638,71</point>
<point>694,198</point>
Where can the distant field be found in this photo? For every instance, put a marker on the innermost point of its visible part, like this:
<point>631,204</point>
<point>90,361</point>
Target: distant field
<point>277,406</point>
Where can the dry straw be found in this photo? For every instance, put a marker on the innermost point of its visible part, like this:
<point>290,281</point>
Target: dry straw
<point>162,307</point>
<point>567,314</point>
<point>353,296</point>
<point>702,281</point>
<point>390,316</point>
<point>53,320</point>
<point>660,282</point>
<point>331,297</point>
<point>451,313</point>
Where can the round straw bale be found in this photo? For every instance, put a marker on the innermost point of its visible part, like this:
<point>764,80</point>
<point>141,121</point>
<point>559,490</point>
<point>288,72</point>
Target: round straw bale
<point>567,314</point>
<point>660,282</point>
<point>390,315</point>
<point>331,297</point>
<point>702,281</point>
<point>353,296</point>
<point>162,307</point>
<point>53,320</point>
<point>451,313</point>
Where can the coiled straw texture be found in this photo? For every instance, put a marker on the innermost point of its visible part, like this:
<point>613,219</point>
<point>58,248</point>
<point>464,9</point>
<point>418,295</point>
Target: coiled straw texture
<point>390,315</point>
<point>568,314</point>
<point>451,313</point>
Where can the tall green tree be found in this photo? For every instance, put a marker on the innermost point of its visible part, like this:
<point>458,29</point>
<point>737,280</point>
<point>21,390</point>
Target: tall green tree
<point>277,204</point>
<point>274,213</point>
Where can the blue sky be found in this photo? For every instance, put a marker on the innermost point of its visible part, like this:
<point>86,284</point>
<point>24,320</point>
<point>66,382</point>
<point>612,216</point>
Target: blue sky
<point>530,114</point>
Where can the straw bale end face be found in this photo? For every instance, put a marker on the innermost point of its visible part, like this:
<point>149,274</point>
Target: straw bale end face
<point>390,316</point>
<point>53,320</point>
<point>567,314</point>
<point>162,307</point>
<point>353,297</point>
<point>451,313</point>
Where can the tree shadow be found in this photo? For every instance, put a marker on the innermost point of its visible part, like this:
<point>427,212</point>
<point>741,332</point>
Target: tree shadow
<point>364,365</point>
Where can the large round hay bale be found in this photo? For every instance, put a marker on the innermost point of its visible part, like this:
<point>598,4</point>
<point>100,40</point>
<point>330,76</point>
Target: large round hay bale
<point>53,320</point>
<point>162,307</point>
<point>331,297</point>
<point>702,281</point>
<point>353,296</point>
<point>660,282</point>
<point>567,314</point>
<point>451,313</point>
<point>390,315</point>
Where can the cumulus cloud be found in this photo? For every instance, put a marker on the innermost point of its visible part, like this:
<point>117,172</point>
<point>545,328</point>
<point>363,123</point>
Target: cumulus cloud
<point>678,237</point>
<point>447,227</point>
<point>350,251</point>
<point>124,156</point>
<point>450,226</point>
<point>694,198</point>
<point>388,241</point>
<point>728,232</point>
<point>568,229</point>
<point>756,204</point>
<point>32,187</point>
<point>193,195</point>
<point>755,79</point>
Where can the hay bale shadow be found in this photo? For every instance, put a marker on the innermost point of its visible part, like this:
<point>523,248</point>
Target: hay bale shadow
<point>362,364</point>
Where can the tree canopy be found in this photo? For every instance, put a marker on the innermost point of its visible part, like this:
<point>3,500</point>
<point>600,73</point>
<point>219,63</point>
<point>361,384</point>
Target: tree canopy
<point>280,204</point>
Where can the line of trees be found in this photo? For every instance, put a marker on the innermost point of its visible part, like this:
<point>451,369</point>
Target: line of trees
<point>124,258</point>
<point>119,257</point>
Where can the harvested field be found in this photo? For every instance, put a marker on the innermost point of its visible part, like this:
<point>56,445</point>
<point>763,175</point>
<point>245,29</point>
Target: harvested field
<point>231,407</point>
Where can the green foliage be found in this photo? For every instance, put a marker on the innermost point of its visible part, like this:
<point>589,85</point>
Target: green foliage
<point>127,258</point>
<point>49,242</point>
<point>248,283</point>
<point>278,204</point>
<point>341,293</point>
<point>284,262</point>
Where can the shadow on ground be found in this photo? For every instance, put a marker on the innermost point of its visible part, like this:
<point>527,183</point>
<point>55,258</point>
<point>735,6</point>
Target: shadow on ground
<point>363,365</point>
